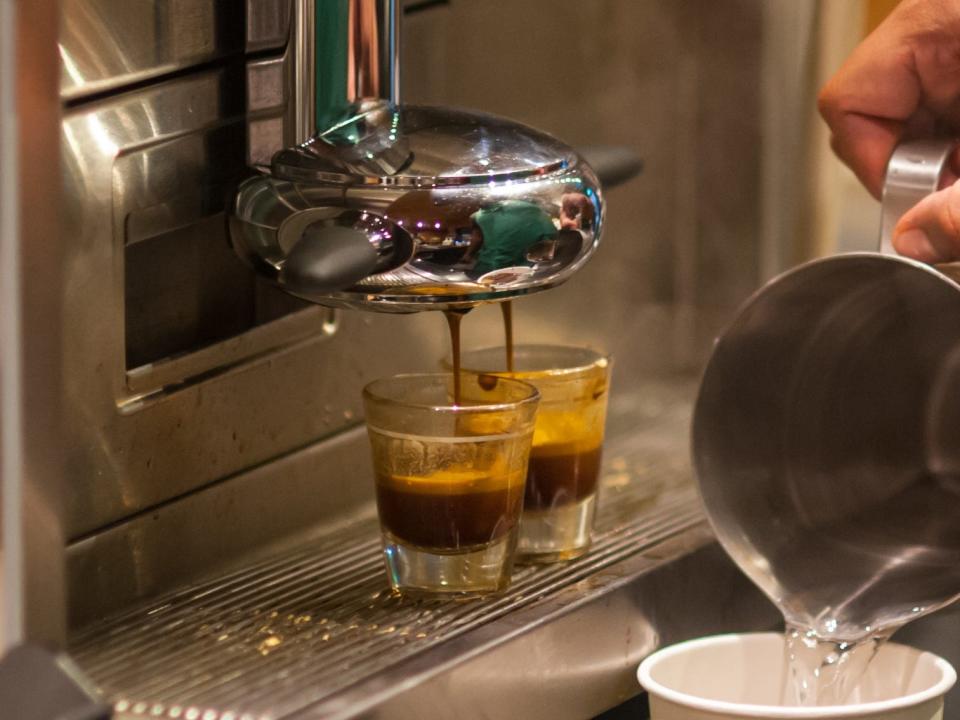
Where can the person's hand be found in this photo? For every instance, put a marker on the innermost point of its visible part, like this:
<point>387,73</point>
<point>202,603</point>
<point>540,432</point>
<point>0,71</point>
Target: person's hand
<point>903,81</point>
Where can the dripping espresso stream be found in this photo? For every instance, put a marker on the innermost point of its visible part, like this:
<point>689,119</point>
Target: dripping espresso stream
<point>453,323</point>
<point>454,318</point>
<point>507,309</point>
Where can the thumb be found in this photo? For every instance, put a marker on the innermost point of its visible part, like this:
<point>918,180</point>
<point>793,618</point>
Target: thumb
<point>930,230</point>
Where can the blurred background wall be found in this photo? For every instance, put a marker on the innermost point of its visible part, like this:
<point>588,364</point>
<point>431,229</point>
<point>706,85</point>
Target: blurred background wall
<point>680,83</point>
<point>718,97</point>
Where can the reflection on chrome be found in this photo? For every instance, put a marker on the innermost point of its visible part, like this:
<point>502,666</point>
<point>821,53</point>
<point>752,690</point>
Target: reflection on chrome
<point>404,208</point>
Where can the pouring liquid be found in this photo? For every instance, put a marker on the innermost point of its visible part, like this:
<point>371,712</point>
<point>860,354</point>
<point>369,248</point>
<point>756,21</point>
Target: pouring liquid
<point>506,308</point>
<point>454,318</point>
<point>453,323</point>
<point>857,578</point>
<point>824,672</point>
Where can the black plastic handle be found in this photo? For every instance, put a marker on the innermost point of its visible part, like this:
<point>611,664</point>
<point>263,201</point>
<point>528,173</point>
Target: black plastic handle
<point>328,258</point>
<point>614,165</point>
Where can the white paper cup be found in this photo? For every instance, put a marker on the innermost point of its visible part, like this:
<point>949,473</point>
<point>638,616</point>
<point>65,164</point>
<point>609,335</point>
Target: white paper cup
<point>742,676</point>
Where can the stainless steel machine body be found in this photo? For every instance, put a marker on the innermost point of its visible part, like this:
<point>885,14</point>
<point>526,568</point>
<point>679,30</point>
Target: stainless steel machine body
<point>211,424</point>
<point>31,400</point>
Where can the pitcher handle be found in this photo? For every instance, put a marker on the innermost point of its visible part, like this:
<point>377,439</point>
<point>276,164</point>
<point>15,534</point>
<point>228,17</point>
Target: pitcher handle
<point>914,171</point>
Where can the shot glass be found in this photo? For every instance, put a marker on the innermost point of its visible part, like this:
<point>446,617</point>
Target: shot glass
<point>730,677</point>
<point>560,498</point>
<point>449,479</point>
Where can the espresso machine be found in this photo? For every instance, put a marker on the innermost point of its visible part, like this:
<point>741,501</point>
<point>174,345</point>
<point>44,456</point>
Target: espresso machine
<point>188,527</point>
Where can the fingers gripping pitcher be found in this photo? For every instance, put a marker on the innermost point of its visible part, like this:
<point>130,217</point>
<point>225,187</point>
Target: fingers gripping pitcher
<point>826,435</point>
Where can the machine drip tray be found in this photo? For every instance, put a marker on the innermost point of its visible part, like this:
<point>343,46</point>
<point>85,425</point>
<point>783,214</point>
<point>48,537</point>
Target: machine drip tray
<point>312,631</point>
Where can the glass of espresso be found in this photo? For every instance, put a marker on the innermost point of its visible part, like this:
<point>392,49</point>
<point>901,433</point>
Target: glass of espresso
<point>560,496</point>
<point>449,479</point>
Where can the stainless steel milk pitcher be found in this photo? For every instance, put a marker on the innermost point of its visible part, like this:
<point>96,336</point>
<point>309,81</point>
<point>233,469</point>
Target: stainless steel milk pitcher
<point>826,435</point>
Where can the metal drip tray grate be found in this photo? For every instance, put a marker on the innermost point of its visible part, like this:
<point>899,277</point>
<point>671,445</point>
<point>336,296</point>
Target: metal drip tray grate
<point>288,632</point>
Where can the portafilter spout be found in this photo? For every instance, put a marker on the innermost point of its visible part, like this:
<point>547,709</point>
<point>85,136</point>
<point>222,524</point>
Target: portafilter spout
<point>400,208</point>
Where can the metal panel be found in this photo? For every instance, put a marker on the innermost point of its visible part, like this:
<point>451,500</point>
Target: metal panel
<point>565,648</point>
<point>107,44</point>
<point>311,631</point>
<point>31,295</point>
<point>316,622</point>
<point>324,485</point>
<point>168,546</point>
<point>575,654</point>
<point>142,160</point>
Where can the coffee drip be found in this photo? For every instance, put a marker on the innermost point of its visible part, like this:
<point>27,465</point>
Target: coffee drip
<point>507,309</point>
<point>453,324</point>
<point>454,318</point>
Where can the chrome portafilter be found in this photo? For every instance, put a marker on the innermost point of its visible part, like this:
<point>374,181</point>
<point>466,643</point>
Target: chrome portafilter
<point>404,208</point>
<point>401,208</point>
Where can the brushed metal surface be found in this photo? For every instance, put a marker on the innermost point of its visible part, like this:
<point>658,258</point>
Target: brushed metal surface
<point>321,485</point>
<point>32,601</point>
<point>168,546</point>
<point>829,402</point>
<point>313,632</point>
<point>302,58</point>
<point>574,654</point>
<point>136,166</point>
<point>107,44</point>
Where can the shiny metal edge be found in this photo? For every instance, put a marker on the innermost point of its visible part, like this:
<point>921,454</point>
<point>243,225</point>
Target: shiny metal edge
<point>575,653</point>
<point>32,269</point>
<point>123,461</point>
<point>550,172</point>
<point>400,304</point>
<point>313,487</point>
<point>284,333</point>
<point>280,634</point>
<point>570,654</point>
<point>170,545</point>
<point>307,629</point>
<point>301,54</point>
<point>394,23</point>
<point>106,45</point>
<point>268,24</point>
<point>913,172</point>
